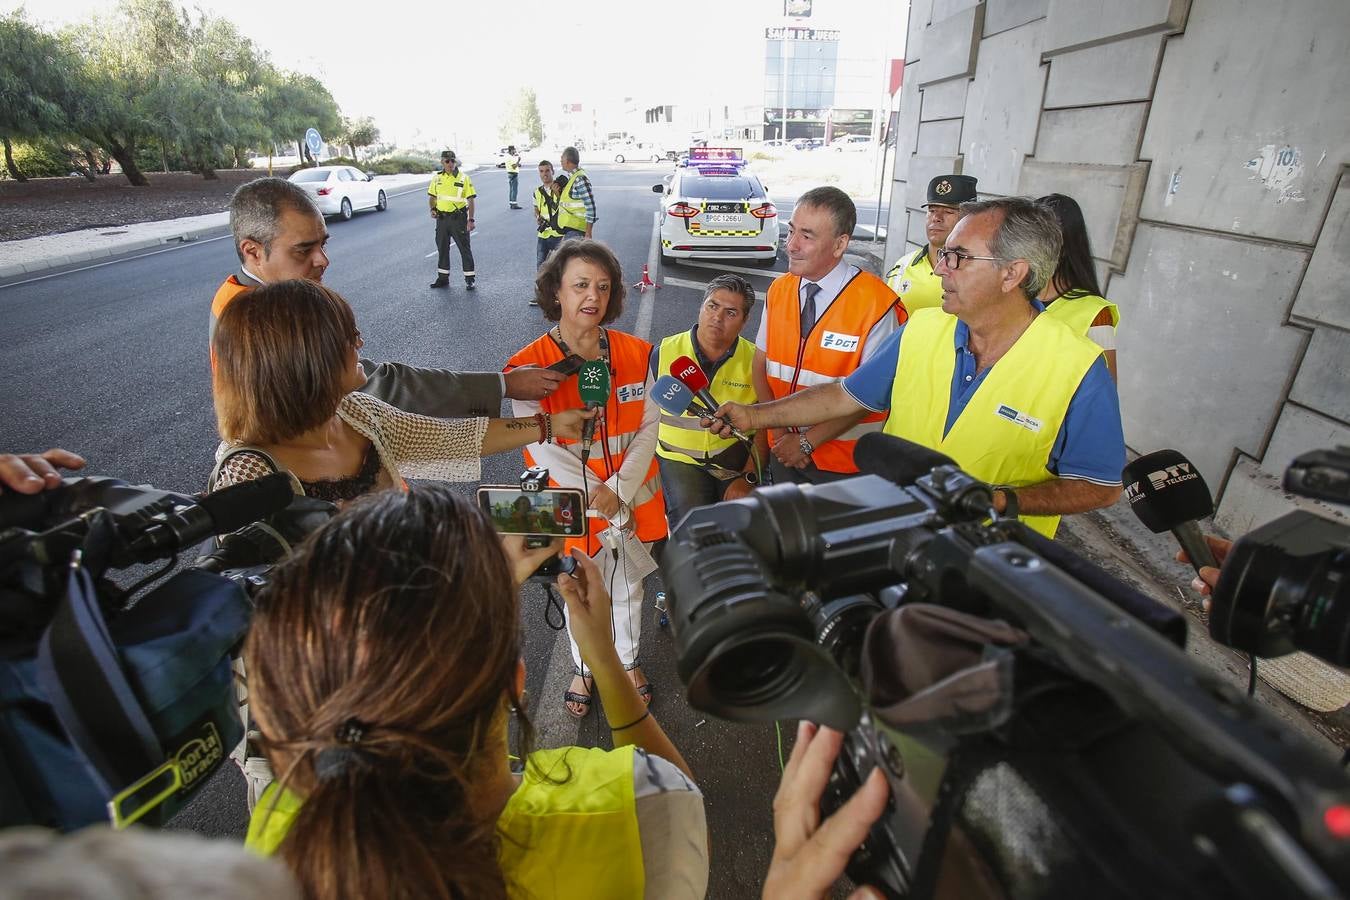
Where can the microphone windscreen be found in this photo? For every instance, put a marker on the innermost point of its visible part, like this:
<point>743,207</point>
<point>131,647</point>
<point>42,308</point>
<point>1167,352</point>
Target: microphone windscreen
<point>671,395</point>
<point>238,505</point>
<point>593,382</point>
<point>689,374</point>
<point>1165,490</point>
<point>897,460</point>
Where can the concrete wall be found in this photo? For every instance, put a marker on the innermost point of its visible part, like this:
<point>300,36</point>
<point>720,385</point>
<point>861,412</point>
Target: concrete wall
<point>1208,142</point>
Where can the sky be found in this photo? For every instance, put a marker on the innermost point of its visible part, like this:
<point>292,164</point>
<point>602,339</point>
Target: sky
<point>438,74</point>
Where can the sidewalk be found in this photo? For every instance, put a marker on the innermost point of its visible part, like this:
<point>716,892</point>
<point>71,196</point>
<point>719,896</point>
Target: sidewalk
<point>40,255</point>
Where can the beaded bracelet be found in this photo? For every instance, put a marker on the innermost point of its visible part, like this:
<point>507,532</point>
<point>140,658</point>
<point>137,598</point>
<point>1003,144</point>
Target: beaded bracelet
<point>545,423</point>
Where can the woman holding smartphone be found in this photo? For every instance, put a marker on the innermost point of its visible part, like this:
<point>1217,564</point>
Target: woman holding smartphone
<point>581,289</point>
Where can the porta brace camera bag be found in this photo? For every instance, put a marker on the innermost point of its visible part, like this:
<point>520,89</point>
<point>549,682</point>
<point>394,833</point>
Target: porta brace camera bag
<point>119,718</point>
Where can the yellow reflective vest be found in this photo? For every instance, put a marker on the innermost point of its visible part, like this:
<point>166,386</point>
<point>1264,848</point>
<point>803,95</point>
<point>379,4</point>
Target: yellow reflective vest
<point>571,209</point>
<point>570,830</point>
<point>543,197</point>
<point>681,438</point>
<point>513,164</point>
<point>914,282</point>
<point>1078,309</point>
<point>1006,432</point>
<point>452,191</point>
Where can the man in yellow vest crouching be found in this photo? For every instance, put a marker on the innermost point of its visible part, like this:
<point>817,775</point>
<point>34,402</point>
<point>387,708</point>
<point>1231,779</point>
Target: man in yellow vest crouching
<point>697,466</point>
<point>1018,399</point>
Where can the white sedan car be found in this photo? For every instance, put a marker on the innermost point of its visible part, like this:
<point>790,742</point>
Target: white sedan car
<point>711,211</point>
<point>341,190</point>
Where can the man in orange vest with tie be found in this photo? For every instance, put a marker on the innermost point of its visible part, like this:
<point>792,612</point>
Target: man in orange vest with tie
<point>821,321</point>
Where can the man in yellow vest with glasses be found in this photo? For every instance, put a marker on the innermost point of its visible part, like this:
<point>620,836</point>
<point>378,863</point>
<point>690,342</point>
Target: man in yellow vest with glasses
<point>576,206</point>
<point>698,467</point>
<point>912,277</point>
<point>451,195</point>
<point>1018,399</point>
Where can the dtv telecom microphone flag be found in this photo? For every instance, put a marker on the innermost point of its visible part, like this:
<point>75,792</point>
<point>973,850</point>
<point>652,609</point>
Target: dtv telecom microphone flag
<point>593,384</point>
<point>1167,493</point>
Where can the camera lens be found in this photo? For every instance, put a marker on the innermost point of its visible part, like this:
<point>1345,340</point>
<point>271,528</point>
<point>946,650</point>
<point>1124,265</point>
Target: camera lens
<point>752,673</point>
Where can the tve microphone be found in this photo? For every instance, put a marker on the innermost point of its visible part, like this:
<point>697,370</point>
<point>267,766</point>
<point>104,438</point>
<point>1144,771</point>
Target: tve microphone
<point>692,376</point>
<point>221,512</point>
<point>897,460</point>
<point>1167,493</point>
<point>673,397</point>
<point>593,384</point>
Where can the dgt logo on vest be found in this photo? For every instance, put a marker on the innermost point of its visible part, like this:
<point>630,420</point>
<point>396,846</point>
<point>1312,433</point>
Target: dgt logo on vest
<point>834,341</point>
<point>634,391</point>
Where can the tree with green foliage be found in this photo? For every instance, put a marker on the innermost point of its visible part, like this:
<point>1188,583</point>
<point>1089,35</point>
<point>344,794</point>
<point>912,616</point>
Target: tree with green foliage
<point>358,133</point>
<point>293,103</point>
<point>29,62</point>
<point>521,120</point>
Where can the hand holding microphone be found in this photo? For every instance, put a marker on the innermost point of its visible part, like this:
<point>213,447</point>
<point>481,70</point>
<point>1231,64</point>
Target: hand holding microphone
<point>593,385</point>
<point>1167,493</point>
<point>688,373</point>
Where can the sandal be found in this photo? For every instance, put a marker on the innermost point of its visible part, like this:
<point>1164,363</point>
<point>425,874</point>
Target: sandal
<point>644,690</point>
<point>582,700</point>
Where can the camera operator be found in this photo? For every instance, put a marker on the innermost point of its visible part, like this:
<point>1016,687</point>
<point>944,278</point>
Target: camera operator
<point>1017,399</point>
<point>30,473</point>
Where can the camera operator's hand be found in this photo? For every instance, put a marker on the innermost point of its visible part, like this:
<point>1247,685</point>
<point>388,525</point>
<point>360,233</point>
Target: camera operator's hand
<point>525,560</point>
<point>1208,577</point>
<point>588,606</point>
<point>568,422</point>
<point>807,856</point>
<point>29,473</point>
<point>531,382</point>
<point>729,416</point>
<point>605,501</point>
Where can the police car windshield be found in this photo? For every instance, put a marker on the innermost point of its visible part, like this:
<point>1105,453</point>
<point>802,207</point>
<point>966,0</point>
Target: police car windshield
<point>310,175</point>
<point>724,187</point>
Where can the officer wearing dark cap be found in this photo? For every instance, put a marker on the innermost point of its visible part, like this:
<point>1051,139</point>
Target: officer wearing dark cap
<point>451,195</point>
<point>912,276</point>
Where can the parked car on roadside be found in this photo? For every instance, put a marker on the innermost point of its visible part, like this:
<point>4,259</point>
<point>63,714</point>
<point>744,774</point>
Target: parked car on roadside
<point>341,190</point>
<point>850,143</point>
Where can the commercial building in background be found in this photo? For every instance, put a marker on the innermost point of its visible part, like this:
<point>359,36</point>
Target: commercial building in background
<point>821,83</point>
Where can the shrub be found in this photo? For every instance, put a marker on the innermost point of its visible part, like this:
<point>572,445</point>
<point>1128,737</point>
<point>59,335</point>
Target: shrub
<point>40,160</point>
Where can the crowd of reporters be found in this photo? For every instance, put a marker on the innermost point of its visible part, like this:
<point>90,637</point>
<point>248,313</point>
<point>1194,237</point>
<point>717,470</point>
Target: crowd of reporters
<point>385,658</point>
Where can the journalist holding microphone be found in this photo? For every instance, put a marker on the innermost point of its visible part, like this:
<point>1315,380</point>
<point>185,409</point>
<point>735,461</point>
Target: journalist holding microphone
<point>698,467</point>
<point>581,288</point>
<point>1016,398</point>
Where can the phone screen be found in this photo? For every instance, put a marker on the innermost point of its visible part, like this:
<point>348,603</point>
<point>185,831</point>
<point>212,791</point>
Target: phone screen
<point>554,511</point>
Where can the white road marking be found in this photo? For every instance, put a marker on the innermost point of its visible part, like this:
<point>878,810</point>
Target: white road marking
<point>722,267</point>
<point>684,283</point>
<point>644,320</point>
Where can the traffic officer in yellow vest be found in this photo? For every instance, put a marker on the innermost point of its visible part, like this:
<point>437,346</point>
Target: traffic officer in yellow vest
<point>546,215</point>
<point>576,206</point>
<point>512,176</point>
<point>912,276</point>
<point>451,196</point>
<point>821,321</point>
<point>1018,399</point>
<point>698,467</point>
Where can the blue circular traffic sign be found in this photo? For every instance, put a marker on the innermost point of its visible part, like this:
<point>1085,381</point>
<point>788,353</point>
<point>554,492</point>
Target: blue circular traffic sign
<point>313,141</point>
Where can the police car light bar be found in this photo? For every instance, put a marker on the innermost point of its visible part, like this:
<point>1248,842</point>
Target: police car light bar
<point>715,154</point>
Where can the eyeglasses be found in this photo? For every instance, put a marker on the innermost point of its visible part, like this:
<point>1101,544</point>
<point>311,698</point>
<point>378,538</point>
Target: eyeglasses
<point>952,259</point>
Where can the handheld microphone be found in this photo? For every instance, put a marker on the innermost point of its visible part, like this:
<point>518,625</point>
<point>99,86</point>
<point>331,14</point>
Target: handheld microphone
<point>221,512</point>
<point>897,460</point>
<point>692,376</point>
<point>593,384</point>
<point>1167,493</point>
<point>675,397</point>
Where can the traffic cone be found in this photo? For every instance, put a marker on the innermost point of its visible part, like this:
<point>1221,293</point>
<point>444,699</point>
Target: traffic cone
<point>646,281</point>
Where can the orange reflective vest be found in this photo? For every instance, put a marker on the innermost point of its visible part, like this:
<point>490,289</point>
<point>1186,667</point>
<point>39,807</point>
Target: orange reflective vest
<point>628,358</point>
<point>228,290</point>
<point>829,353</point>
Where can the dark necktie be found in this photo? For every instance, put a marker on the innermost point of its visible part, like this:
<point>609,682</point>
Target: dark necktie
<point>809,308</point>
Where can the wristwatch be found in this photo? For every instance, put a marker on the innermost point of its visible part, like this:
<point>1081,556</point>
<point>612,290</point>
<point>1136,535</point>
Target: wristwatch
<point>1010,504</point>
<point>807,447</point>
<point>750,477</point>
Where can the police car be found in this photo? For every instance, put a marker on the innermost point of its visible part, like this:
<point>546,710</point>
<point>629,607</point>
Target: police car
<point>714,208</point>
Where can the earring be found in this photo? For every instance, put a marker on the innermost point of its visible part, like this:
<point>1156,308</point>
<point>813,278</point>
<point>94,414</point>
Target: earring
<point>522,702</point>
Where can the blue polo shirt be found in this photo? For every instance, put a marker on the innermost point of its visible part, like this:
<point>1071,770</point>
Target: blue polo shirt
<point>1090,444</point>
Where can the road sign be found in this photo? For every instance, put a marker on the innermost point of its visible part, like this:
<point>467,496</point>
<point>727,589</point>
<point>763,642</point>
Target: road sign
<point>313,141</point>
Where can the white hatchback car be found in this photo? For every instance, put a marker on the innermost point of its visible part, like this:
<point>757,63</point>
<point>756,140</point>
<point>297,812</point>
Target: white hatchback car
<point>341,190</point>
<point>717,210</point>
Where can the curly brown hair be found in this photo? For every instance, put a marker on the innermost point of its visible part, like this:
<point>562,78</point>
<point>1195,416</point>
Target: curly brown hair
<point>548,282</point>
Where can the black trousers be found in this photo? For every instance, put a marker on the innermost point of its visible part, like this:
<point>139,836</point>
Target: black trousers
<point>453,225</point>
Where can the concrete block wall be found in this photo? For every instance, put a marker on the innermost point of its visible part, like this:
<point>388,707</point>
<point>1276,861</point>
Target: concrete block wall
<point>1208,142</point>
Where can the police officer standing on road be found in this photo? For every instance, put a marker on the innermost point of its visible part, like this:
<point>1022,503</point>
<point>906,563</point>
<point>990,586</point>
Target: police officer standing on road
<point>512,176</point>
<point>451,196</point>
<point>912,276</point>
